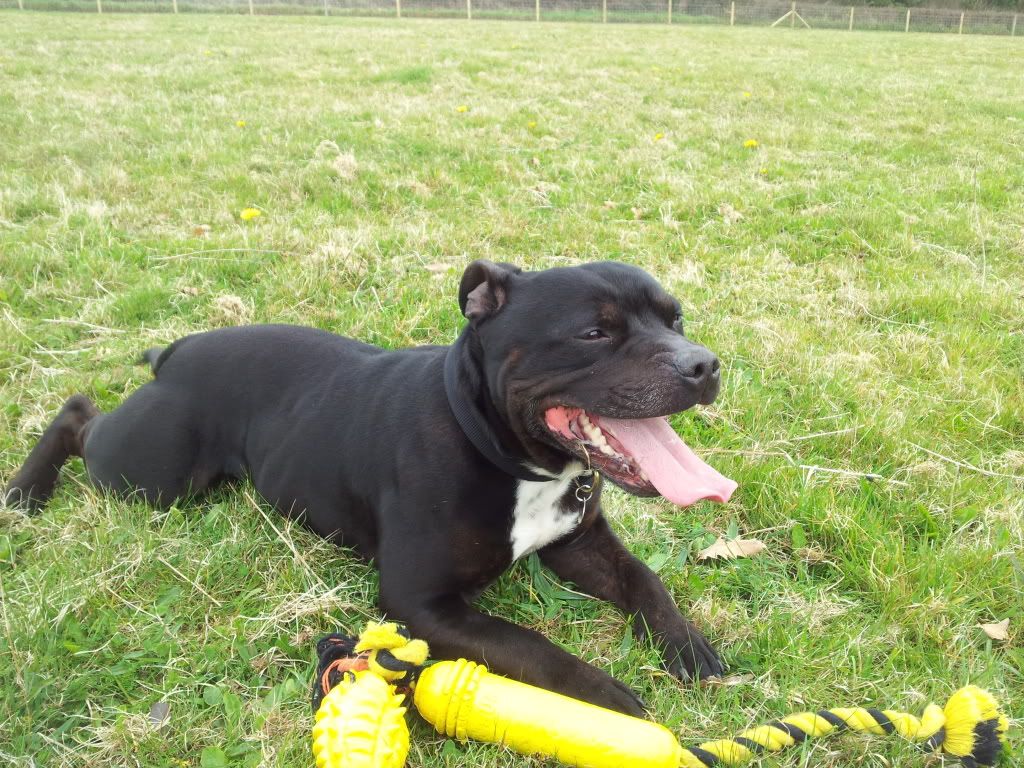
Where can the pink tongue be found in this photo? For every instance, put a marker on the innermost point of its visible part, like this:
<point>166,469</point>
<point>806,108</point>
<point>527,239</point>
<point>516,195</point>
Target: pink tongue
<point>672,467</point>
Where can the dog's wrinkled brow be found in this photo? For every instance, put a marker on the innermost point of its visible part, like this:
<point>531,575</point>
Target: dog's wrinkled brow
<point>665,305</point>
<point>609,314</point>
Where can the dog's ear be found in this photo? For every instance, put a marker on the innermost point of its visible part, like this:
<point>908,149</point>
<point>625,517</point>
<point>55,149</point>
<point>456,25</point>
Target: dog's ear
<point>484,288</point>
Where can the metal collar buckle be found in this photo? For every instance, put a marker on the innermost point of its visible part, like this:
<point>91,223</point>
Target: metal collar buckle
<point>585,488</point>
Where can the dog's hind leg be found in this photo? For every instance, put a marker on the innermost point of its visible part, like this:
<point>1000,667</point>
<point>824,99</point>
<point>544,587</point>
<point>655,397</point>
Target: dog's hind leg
<point>155,445</point>
<point>150,446</point>
<point>33,484</point>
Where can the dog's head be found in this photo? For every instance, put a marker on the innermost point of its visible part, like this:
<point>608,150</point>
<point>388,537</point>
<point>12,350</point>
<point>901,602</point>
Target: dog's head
<point>584,363</point>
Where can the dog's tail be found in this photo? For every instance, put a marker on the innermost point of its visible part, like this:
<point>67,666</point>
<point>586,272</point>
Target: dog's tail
<point>152,357</point>
<point>155,357</point>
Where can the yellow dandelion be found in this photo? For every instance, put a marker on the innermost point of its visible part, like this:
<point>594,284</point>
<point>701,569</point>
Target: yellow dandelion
<point>750,144</point>
<point>763,171</point>
<point>659,136</point>
<point>248,214</point>
<point>462,108</point>
<point>240,123</point>
<point>747,94</point>
<point>532,124</point>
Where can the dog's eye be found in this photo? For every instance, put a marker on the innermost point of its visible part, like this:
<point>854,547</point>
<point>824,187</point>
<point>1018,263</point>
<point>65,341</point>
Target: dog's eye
<point>594,334</point>
<point>677,321</point>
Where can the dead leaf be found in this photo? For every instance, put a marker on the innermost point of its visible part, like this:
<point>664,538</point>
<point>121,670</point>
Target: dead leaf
<point>159,714</point>
<point>437,268</point>
<point>638,213</point>
<point>730,549</point>
<point>998,631</point>
<point>730,680</point>
<point>201,230</point>
<point>810,555</point>
<point>536,161</point>
<point>609,204</point>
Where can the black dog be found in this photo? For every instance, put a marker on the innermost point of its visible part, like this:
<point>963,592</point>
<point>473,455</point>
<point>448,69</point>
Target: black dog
<point>443,464</point>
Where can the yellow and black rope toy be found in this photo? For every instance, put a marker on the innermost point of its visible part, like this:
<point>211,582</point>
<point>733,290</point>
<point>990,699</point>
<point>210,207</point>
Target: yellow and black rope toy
<point>969,727</point>
<point>360,718</point>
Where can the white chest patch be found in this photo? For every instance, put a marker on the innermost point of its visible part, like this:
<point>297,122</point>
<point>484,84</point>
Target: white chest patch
<point>539,517</point>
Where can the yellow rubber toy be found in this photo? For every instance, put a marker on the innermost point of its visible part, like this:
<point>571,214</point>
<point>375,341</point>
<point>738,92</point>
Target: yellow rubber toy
<point>361,724</point>
<point>362,727</point>
<point>461,699</point>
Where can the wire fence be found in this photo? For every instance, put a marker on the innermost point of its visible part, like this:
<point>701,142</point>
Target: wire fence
<point>792,14</point>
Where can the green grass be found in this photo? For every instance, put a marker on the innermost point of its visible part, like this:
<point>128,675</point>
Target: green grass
<point>859,272</point>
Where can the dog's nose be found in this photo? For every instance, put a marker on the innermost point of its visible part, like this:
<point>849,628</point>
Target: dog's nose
<point>699,366</point>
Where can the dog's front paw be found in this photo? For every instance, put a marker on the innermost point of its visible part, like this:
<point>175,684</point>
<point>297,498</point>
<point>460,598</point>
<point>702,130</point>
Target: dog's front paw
<point>689,656</point>
<point>621,698</point>
<point>602,689</point>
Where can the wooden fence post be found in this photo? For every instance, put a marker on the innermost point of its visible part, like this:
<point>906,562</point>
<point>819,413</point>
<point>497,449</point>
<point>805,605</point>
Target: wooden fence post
<point>325,8</point>
<point>21,7</point>
<point>99,6</point>
<point>252,9</point>
<point>669,11</point>
<point>1013,27</point>
<point>851,18</point>
<point>906,27</point>
<point>469,10</point>
<point>732,14</point>
<point>174,5</point>
<point>398,8</point>
<point>961,23</point>
<point>792,19</point>
<point>536,10</point>
<point>604,11</point>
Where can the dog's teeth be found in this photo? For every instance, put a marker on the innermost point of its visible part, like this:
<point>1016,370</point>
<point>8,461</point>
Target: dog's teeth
<point>593,434</point>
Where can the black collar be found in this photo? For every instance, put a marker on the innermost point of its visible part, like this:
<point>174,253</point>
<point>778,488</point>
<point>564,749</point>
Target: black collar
<point>473,423</point>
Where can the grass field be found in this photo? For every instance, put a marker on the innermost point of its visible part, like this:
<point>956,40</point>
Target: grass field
<point>858,271</point>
